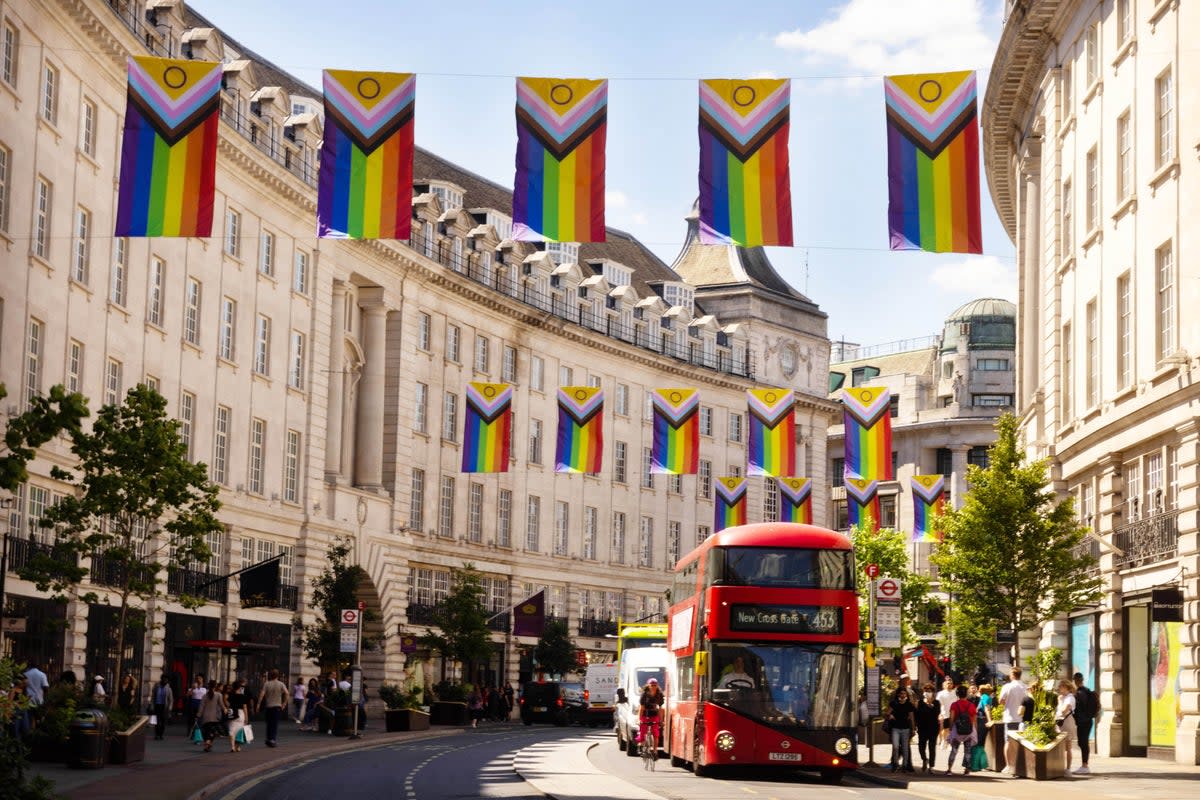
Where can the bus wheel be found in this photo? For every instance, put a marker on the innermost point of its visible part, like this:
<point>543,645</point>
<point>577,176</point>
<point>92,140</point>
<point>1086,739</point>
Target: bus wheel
<point>631,748</point>
<point>676,761</point>
<point>832,776</point>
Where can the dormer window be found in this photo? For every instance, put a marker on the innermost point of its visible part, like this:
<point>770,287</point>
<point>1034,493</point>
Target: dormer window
<point>563,252</point>
<point>677,295</point>
<point>448,196</point>
<point>501,223</point>
<point>617,275</point>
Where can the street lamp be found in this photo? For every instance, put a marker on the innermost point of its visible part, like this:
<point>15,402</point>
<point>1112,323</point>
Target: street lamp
<point>5,504</point>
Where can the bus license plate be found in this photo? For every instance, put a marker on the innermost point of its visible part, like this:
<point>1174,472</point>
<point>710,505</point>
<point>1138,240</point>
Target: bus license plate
<point>783,757</point>
<point>538,709</point>
<point>599,705</point>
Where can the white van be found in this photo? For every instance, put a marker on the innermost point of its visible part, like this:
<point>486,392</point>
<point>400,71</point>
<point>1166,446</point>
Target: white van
<point>636,668</point>
<point>599,693</point>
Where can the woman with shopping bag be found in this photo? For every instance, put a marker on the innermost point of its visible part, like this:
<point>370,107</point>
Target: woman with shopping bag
<point>239,722</point>
<point>213,714</point>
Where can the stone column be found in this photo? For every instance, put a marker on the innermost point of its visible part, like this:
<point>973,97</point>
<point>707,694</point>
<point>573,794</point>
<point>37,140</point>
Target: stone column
<point>1187,734</point>
<point>1030,284</point>
<point>333,420</point>
<point>958,478</point>
<point>368,450</point>
<point>1110,730</point>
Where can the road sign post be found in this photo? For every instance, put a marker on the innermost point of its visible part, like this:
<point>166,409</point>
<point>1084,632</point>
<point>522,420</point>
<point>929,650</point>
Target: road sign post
<point>886,597</point>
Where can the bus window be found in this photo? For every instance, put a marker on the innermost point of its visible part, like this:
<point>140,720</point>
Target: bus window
<point>806,686</point>
<point>785,568</point>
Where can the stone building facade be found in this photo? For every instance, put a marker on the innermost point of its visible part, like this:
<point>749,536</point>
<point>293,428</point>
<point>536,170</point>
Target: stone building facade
<point>323,381</point>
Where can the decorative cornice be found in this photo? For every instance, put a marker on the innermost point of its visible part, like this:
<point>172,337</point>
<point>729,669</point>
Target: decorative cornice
<point>255,165</point>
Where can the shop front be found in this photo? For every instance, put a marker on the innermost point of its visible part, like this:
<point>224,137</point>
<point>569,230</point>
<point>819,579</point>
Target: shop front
<point>1153,626</point>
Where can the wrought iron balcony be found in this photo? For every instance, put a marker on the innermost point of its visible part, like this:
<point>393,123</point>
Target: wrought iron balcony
<point>559,620</point>
<point>112,572</point>
<point>23,551</point>
<point>597,627</point>
<point>289,596</point>
<point>192,581</point>
<point>1089,547</point>
<point>499,624</point>
<point>420,613</point>
<point>1147,541</point>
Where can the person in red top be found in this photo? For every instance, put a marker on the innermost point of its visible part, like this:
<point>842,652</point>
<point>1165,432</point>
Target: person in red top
<point>962,729</point>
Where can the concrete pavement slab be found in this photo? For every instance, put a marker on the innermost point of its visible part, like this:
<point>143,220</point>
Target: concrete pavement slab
<point>563,771</point>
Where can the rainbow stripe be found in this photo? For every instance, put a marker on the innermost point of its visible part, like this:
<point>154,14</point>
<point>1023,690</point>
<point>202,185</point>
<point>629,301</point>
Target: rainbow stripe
<point>745,189</point>
<point>868,424</point>
<point>487,429</point>
<point>364,187</point>
<point>730,508</point>
<point>169,150</point>
<point>580,429</point>
<point>675,449</point>
<point>795,500</point>
<point>929,498</point>
<point>559,189</point>
<point>933,162</point>
<point>862,503</point>
<point>772,445</point>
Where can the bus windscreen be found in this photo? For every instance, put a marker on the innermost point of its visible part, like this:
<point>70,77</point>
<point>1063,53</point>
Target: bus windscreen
<point>787,686</point>
<point>783,568</point>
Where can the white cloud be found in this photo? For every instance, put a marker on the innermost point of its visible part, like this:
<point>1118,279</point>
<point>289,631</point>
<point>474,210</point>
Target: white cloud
<point>891,37</point>
<point>977,276</point>
<point>621,212</point>
<point>616,199</point>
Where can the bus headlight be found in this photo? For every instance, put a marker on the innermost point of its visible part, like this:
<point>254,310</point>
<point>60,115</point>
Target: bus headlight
<point>843,746</point>
<point>725,741</point>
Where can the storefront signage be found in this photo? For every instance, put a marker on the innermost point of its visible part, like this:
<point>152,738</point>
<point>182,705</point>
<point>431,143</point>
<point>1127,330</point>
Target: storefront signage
<point>1166,605</point>
<point>786,619</point>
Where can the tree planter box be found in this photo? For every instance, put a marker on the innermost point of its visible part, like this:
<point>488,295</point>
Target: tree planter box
<point>343,721</point>
<point>1042,763</point>
<point>128,746</point>
<point>405,719</point>
<point>993,744</point>
<point>448,712</point>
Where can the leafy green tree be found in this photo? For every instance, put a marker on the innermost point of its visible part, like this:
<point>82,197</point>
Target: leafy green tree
<point>47,417</point>
<point>968,639</point>
<point>461,618</point>
<point>888,549</point>
<point>335,589</point>
<point>1010,554</point>
<point>139,507</point>
<point>555,652</point>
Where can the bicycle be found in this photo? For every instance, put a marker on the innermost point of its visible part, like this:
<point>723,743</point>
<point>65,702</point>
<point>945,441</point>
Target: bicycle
<point>649,747</point>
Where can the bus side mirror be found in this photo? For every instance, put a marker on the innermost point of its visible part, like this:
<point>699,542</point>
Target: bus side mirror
<point>701,664</point>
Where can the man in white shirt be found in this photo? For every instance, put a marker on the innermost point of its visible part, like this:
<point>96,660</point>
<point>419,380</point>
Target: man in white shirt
<point>945,699</point>
<point>1012,695</point>
<point>37,685</point>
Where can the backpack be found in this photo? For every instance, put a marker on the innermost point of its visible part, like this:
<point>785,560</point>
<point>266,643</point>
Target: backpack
<point>962,723</point>
<point>1087,703</point>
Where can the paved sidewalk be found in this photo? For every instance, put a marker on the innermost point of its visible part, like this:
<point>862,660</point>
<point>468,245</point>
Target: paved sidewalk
<point>176,769</point>
<point>1110,777</point>
<point>564,772</point>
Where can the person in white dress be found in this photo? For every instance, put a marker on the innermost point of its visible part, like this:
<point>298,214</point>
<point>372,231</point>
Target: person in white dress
<point>1064,715</point>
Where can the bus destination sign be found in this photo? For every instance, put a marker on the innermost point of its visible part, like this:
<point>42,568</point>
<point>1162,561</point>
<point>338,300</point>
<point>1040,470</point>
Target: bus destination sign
<point>825,620</point>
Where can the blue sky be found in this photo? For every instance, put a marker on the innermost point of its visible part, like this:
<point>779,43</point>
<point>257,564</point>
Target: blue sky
<point>466,54</point>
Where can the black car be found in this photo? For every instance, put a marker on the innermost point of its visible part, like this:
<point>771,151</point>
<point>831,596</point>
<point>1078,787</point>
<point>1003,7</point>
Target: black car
<point>543,702</point>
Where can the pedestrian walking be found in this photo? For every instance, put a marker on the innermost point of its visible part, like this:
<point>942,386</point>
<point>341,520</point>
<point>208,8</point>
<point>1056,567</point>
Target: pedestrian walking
<point>312,700</point>
<point>945,699</point>
<point>37,685</point>
<point>1012,696</point>
<point>127,693</point>
<point>928,718</point>
<point>495,705</point>
<point>475,706</point>
<point>299,694</point>
<point>273,698</point>
<point>900,713</point>
<point>962,729</point>
<point>237,701</point>
<point>195,697</point>
<point>98,692</point>
<point>212,716</point>
<point>1087,709</point>
<point>1064,715</point>
<point>162,699</point>
<point>509,699</point>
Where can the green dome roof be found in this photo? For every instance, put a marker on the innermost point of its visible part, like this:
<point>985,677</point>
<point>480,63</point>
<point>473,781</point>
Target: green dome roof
<point>989,323</point>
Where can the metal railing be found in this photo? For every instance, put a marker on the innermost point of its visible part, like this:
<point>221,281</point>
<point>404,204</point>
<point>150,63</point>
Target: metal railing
<point>498,624</point>
<point>22,551</point>
<point>421,613</point>
<point>192,581</point>
<point>1147,541</point>
<point>1089,547</point>
<point>597,627</point>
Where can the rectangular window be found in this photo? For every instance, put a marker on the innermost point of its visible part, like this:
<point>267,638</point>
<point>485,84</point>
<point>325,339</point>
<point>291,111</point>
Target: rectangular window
<point>87,128</point>
<point>300,273</point>
<point>1124,156</point>
<point>771,500</point>
<point>706,421</point>
<point>421,408</point>
<point>537,373</point>
<point>119,288</point>
<point>702,533</point>
<point>620,462</point>
<point>837,472</point>
<point>82,256</point>
<point>446,508</point>
<point>647,475</point>
<point>416,502</point>
<point>675,484</point>
<point>562,522</point>
<point>535,441</point>
<point>646,543</point>
<point>33,361</point>
<point>1093,355</point>
<point>424,330</point>
<point>151,382</point>
<point>453,341</point>
<point>1124,17</point>
<point>11,54</point>
<point>191,312</point>
<point>508,372</point>
<point>735,427</point>
<point>233,233</point>
<point>483,352</point>
<point>220,465</point>
<point>618,537</point>
<point>475,513</point>
<point>266,254</point>
<point>1124,332</point>
<point>1164,290</point>
<point>50,95</point>
<point>226,339</point>
<point>589,532</point>
<point>258,443</point>
<point>41,218</point>
<point>291,468</point>
<point>187,420</point>
<point>113,379</point>
<point>566,376</point>
<point>1068,201</point>
<point>533,524</point>
<point>296,365</point>
<point>262,345</point>
<point>154,291</point>
<point>622,408</point>
<point>704,479</point>
<point>674,542</point>
<point>1092,174</point>
<point>450,417</point>
<point>1154,503</point>
<point>74,366</point>
<point>5,185</point>
<point>1068,379</point>
<point>992,364</point>
<point>1164,120</point>
<point>1091,53</point>
<point>504,518</point>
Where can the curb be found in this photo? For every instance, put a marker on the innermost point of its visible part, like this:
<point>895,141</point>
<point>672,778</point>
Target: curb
<point>870,776</point>
<point>294,757</point>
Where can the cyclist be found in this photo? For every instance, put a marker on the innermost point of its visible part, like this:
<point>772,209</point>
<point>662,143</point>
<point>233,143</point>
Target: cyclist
<point>649,707</point>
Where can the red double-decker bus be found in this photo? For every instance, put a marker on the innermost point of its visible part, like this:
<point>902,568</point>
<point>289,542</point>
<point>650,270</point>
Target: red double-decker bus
<point>764,629</point>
